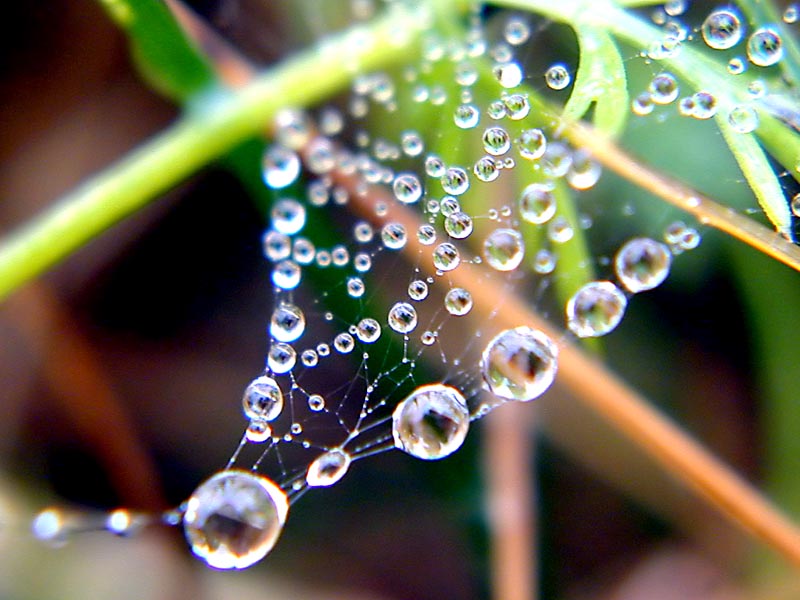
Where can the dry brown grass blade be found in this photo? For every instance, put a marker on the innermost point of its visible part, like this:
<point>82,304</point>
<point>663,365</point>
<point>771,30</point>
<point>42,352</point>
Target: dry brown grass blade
<point>704,209</point>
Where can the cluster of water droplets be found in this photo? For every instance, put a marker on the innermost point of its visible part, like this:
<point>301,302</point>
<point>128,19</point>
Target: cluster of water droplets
<point>383,253</point>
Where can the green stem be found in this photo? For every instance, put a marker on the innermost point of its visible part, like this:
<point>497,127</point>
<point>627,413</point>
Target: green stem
<point>212,129</point>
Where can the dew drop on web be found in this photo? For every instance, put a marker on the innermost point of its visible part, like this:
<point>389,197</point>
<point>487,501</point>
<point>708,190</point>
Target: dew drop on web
<point>328,468</point>
<point>233,519</point>
<point>431,423</point>
<point>519,364</point>
<point>642,264</point>
<point>595,309</point>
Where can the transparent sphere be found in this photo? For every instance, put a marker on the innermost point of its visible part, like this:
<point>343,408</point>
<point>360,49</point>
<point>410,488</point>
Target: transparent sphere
<point>263,399</point>
<point>504,249</point>
<point>328,468</point>
<point>519,364</point>
<point>595,309</point>
<point>642,264</point>
<point>431,422</point>
<point>233,519</point>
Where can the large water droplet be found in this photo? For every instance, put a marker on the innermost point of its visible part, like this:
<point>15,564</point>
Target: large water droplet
<point>663,88</point>
<point>504,249</point>
<point>595,309</point>
<point>455,181</point>
<point>431,423</point>
<point>458,225</point>
<point>288,322</point>
<point>263,399</point>
<point>557,77</point>
<point>722,29</point>
<point>642,264</point>
<point>519,364</point>
<point>765,47</point>
<point>496,141</point>
<point>486,169</point>
<point>368,330</point>
<point>743,118</point>
<point>328,468</point>
<point>532,144</point>
<point>281,358</point>
<point>286,275</point>
<point>234,519</point>
<point>393,236</point>
<point>466,116</point>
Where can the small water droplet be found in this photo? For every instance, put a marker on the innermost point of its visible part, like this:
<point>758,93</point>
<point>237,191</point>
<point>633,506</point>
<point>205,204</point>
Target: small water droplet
<point>496,141</point>
<point>344,343</point>
<point>458,301</point>
<point>288,322</point>
<point>532,144</point>
<point>258,431</point>
<point>704,105</point>
<point>663,89</point>
<point>393,236</point>
<point>328,468</point>
<point>516,31</point>
<point>557,77</point>
<point>316,403</point>
<point>407,188</point>
<point>517,106</point>
<point>288,216</point>
<point>281,358</point>
<point>509,75</point>
<point>537,204</point>
<point>286,275</point>
<point>368,330</point>
<point>418,290</point>
<point>455,181</point>
<point>466,116</point>
<point>280,166</point>
<point>486,169</point>
<point>743,118</point>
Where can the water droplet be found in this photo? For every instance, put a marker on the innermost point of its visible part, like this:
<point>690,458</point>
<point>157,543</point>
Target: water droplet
<point>51,527</point>
<point>642,105</point>
<point>280,167</point>
<point>532,144</point>
<point>292,128</point>
<point>309,358</point>
<point>368,330</point>
<point>344,343</point>
<point>286,275</point>
<point>418,290</point>
<point>407,188</point>
<point>663,89</point>
<point>458,302</point>
<point>455,181</point>
<point>496,141</point>
<point>509,75</point>
<point>466,74</point>
<point>393,236</point>
<point>519,364</point>
<point>595,309</point>
<point>355,287</point>
<point>736,66</point>
<point>288,322</point>
<point>557,77</point>
<point>584,172</point>
<point>277,246</point>
<point>316,403</point>
<point>743,118</point>
<point>559,230</point>
<point>446,257</point>
<point>288,216</point>
<point>303,251</point>
<point>412,144</point>
<point>496,110</point>
<point>722,29</point>
<point>791,14</point>
<point>516,31</point>
<point>537,204</point>
<point>504,249</point>
<point>642,264</point>
<point>765,47</point>
<point>426,234</point>
<point>431,423</point>
<point>544,262</point>
<point>486,169</point>
<point>434,166</point>
<point>704,105</point>
<point>517,106</point>
<point>258,431</point>
<point>234,519</point>
<point>557,160</point>
<point>428,338</point>
<point>449,205</point>
<point>466,116</point>
<point>281,358</point>
<point>263,399</point>
<point>402,317</point>
<point>331,121</point>
<point>458,225</point>
<point>328,468</point>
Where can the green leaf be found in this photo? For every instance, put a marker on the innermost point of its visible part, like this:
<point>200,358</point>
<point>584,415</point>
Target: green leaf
<point>601,80</point>
<point>166,59</point>
<point>757,170</point>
